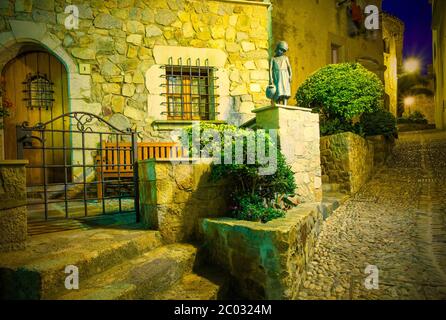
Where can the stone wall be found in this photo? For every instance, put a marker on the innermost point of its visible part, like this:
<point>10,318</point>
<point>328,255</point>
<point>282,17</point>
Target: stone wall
<point>439,67</point>
<point>117,41</point>
<point>266,261</point>
<point>393,35</point>
<point>424,104</point>
<point>382,149</point>
<point>13,213</point>
<point>298,131</point>
<point>174,196</point>
<point>347,160</point>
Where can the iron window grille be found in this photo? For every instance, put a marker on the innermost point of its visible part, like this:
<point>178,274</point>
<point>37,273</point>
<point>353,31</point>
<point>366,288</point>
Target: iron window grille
<point>38,91</point>
<point>189,90</point>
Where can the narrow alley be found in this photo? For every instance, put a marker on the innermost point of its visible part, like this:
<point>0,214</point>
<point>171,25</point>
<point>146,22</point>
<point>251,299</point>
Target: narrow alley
<point>396,223</point>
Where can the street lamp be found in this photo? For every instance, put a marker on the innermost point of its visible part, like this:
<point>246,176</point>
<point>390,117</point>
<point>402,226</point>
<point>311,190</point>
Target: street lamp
<point>408,102</point>
<point>412,65</point>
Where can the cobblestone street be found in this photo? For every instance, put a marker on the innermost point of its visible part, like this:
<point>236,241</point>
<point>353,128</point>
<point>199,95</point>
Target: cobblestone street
<point>396,222</point>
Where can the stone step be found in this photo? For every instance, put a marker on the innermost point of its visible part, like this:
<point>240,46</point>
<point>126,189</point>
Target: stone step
<point>191,287</point>
<point>39,271</point>
<point>209,284</point>
<point>142,277</point>
<point>330,202</point>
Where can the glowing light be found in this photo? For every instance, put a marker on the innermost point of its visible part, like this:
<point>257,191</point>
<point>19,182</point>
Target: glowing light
<point>412,65</point>
<point>409,101</point>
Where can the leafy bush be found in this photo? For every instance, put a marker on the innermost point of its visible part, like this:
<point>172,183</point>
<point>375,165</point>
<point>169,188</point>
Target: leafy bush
<point>341,91</point>
<point>252,208</point>
<point>335,126</point>
<point>255,197</point>
<point>415,117</point>
<point>379,122</point>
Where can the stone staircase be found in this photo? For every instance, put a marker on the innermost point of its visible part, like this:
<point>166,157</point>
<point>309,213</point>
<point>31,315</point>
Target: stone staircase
<point>332,198</point>
<point>124,263</point>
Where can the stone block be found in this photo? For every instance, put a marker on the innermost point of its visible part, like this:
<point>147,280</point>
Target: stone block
<point>84,53</point>
<point>248,46</point>
<point>83,106</point>
<point>134,113</point>
<point>13,213</point>
<point>118,104</point>
<point>23,5</point>
<point>13,229</point>
<point>107,21</point>
<point>28,29</point>
<point>165,17</point>
<point>128,90</point>
<point>134,26</point>
<point>135,39</point>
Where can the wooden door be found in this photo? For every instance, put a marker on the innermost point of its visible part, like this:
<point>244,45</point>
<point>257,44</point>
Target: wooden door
<point>14,74</point>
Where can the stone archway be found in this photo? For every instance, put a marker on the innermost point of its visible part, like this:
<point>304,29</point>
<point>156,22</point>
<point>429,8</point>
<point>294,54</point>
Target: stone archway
<point>25,32</point>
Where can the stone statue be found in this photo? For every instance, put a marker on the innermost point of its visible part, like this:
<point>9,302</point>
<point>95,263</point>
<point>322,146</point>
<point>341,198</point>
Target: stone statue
<point>280,74</point>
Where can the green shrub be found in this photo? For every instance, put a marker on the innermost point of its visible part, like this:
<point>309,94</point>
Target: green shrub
<point>254,196</point>
<point>335,126</point>
<point>380,122</point>
<point>341,91</point>
<point>253,208</point>
<point>415,117</point>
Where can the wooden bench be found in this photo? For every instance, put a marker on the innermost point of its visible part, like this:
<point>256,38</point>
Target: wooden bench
<point>117,159</point>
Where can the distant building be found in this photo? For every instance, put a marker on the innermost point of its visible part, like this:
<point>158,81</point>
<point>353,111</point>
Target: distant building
<point>393,39</point>
<point>439,51</point>
<point>324,32</point>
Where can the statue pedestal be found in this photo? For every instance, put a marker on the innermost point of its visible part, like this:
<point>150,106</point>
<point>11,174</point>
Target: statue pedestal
<point>298,131</point>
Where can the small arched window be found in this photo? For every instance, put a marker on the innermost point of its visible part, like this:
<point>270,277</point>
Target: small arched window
<point>38,90</point>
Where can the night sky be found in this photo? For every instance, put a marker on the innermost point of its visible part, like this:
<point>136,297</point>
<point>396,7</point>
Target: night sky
<point>417,16</point>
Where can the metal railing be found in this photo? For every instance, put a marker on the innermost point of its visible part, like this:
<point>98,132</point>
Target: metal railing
<point>62,163</point>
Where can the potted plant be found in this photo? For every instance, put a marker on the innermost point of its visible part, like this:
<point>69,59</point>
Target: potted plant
<point>5,104</point>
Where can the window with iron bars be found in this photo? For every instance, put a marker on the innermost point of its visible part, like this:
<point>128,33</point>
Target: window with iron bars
<point>190,91</point>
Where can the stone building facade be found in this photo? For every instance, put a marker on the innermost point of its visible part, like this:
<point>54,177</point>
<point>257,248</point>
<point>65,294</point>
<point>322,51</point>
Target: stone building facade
<point>118,57</point>
<point>393,37</point>
<point>424,104</point>
<point>439,45</point>
<point>318,34</point>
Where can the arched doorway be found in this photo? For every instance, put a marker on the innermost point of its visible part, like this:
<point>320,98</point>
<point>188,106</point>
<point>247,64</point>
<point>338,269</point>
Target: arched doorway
<point>20,75</point>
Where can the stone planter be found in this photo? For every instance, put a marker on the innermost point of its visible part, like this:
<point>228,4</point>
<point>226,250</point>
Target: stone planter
<point>266,261</point>
<point>174,196</point>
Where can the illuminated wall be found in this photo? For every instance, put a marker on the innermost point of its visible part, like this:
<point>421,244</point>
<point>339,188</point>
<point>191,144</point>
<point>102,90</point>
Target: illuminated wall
<point>439,39</point>
<point>393,35</point>
<point>313,28</point>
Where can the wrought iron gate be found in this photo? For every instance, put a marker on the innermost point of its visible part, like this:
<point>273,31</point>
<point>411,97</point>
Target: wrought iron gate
<point>87,167</point>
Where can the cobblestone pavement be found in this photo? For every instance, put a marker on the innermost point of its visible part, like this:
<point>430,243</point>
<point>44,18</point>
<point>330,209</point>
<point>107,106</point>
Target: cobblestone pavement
<point>397,222</point>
